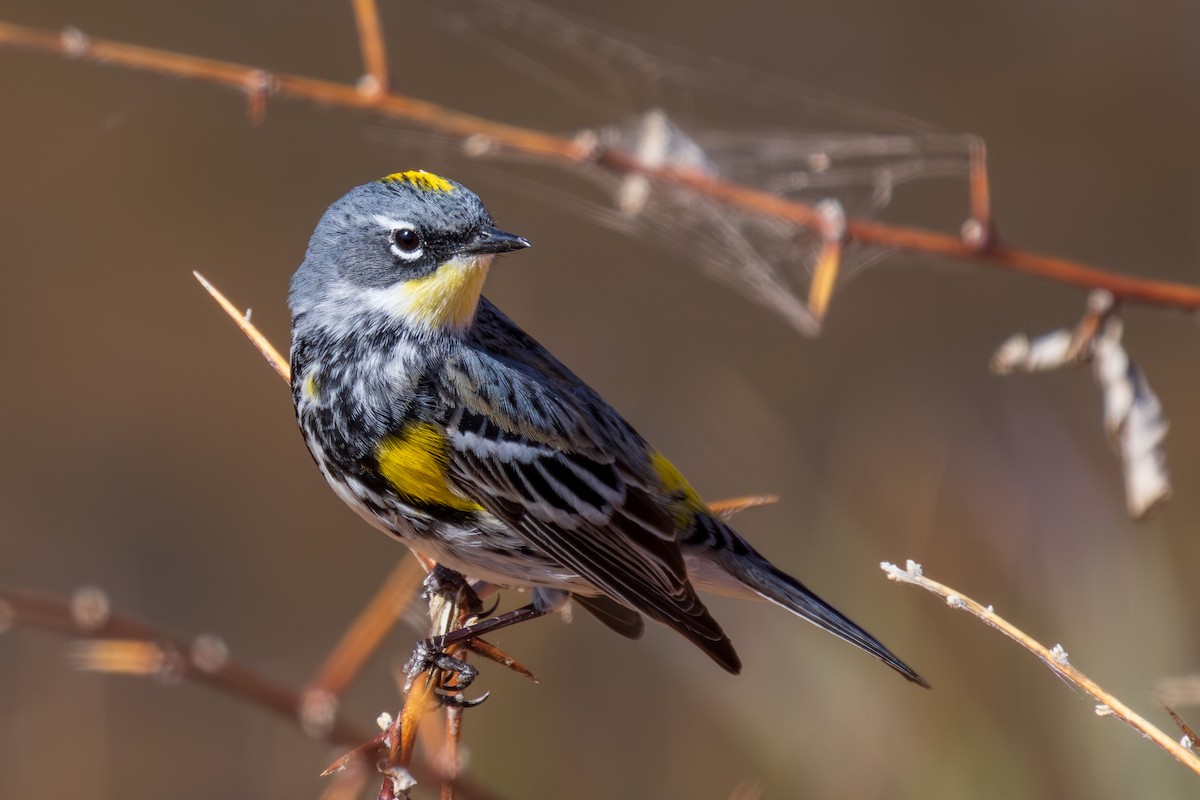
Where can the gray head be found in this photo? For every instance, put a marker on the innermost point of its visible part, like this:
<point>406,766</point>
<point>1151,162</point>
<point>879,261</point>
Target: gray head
<point>413,245</point>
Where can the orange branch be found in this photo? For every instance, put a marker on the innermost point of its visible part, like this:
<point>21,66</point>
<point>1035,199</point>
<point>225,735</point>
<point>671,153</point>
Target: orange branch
<point>41,610</point>
<point>980,246</point>
<point>370,38</point>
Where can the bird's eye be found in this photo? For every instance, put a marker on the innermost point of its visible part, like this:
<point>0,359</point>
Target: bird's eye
<point>406,239</point>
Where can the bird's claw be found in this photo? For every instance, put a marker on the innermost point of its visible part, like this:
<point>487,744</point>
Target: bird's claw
<point>484,613</point>
<point>429,658</point>
<point>454,698</point>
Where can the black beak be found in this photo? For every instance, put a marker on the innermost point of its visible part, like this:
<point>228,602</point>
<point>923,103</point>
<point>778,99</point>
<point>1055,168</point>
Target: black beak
<point>489,241</point>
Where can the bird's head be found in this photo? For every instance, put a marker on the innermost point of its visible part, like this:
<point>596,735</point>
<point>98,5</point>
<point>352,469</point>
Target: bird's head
<point>412,245</point>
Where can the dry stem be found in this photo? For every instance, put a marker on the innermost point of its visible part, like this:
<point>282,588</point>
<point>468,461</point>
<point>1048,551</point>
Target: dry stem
<point>160,653</point>
<point>370,39</point>
<point>50,612</point>
<point>978,246</point>
<point>1055,658</point>
<point>273,356</point>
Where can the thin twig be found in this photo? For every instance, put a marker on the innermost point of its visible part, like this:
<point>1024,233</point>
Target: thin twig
<point>735,505</point>
<point>50,612</point>
<point>1055,658</point>
<point>349,783</point>
<point>829,258</point>
<point>448,611</point>
<point>980,230</point>
<point>451,760</point>
<point>273,356</point>
<point>1183,726</point>
<point>370,39</point>
<point>980,247</point>
<point>112,633</point>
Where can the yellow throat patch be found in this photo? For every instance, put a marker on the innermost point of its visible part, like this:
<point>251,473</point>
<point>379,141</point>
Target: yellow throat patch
<point>420,179</point>
<point>414,463</point>
<point>445,299</point>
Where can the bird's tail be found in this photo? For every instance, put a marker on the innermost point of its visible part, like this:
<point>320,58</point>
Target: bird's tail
<point>782,589</point>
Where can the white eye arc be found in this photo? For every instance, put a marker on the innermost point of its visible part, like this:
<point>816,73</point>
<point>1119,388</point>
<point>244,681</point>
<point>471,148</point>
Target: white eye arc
<point>403,239</point>
<point>406,243</point>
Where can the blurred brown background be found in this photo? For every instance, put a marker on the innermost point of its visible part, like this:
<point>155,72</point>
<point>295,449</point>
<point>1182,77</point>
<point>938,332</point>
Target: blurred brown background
<point>149,451</point>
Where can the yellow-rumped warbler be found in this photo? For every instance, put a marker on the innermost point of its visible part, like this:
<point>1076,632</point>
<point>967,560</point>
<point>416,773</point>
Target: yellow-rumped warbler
<point>445,425</point>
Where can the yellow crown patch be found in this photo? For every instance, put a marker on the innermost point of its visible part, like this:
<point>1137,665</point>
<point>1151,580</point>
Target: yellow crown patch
<point>422,180</point>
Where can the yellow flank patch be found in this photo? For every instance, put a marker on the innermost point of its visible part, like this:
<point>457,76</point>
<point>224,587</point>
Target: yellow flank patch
<point>311,390</point>
<point>687,502</point>
<point>420,179</point>
<point>414,462</point>
<point>447,297</point>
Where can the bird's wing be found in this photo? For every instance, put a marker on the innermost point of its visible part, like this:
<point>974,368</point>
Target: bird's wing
<point>540,454</point>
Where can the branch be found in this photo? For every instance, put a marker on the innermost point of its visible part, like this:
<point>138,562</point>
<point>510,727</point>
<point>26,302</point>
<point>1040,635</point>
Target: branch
<point>1055,658</point>
<point>124,644</point>
<point>978,245</point>
<point>256,337</point>
<point>169,656</point>
<point>370,40</point>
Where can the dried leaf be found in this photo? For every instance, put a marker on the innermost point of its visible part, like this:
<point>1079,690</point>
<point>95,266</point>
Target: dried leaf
<point>1019,354</point>
<point>1134,421</point>
<point>1133,416</point>
<point>1184,728</point>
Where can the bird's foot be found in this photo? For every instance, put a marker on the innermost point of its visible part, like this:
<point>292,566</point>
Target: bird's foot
<point>451,675</point>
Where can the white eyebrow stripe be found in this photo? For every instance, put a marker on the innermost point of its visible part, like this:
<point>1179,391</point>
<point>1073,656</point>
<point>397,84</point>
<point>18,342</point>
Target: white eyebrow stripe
<point>391,223</point>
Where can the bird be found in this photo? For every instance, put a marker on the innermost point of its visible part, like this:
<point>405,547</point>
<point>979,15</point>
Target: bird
<point>446,426</point>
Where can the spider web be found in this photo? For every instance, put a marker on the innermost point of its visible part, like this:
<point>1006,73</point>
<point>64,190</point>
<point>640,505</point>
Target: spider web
<point>674,108</point>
